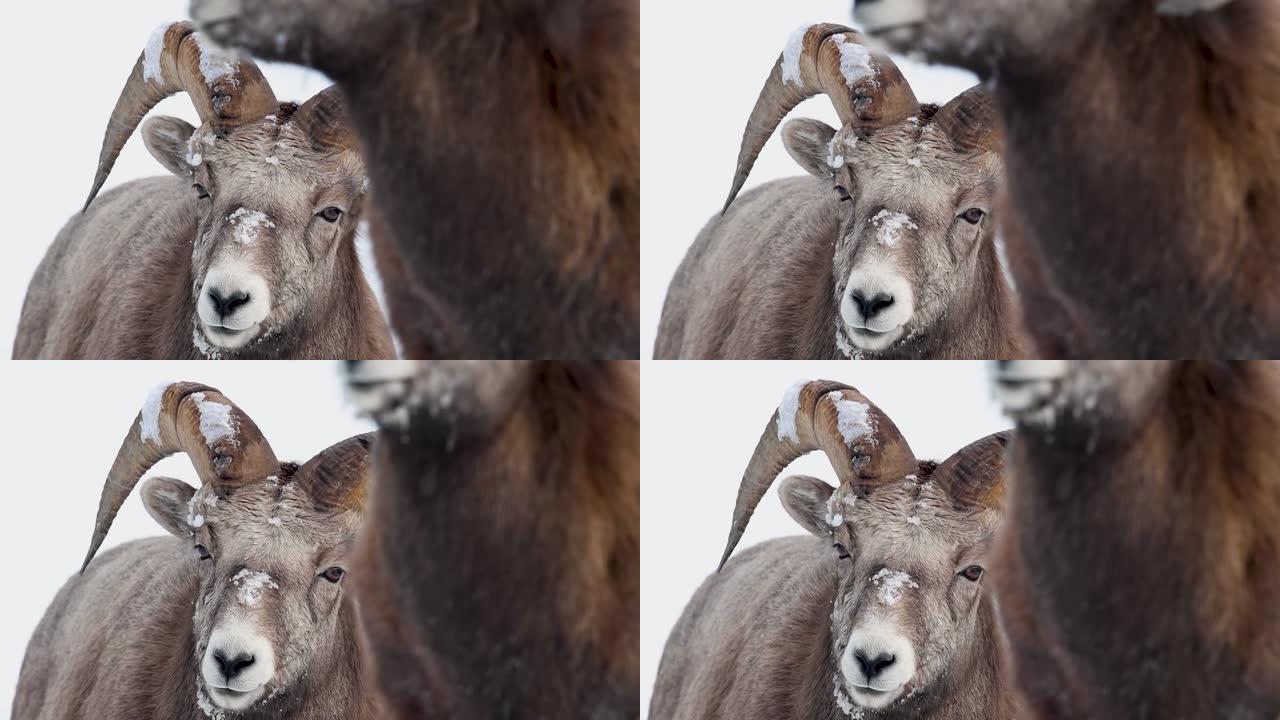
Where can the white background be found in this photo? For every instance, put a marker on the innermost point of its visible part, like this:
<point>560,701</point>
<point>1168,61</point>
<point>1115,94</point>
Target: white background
<point>700,422</point>
<point>64,424</point>
<point>702,67</point>
<point>65,66</point>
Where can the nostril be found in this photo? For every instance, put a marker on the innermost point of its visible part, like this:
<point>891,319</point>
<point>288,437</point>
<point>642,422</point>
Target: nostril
<point>871,667</point>
<point>877,304</point>
<point>232,666</point>
<point>860,301</point>
<point>869,307</point>
<point>229,303</point>
<point>238,299</point>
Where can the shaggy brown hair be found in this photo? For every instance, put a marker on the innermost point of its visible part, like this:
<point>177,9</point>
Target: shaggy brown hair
<point>1138,574</point>
<point>501,567</point>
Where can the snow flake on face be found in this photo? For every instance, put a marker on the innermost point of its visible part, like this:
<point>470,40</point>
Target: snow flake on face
<point>273,160</point>
<point>891,225</point>
<point>206,705</point>
<point>843,701</point>
<point>202,345</point>
<point>252,584</point>
<point>913,520</point>
<point>855,61</point>
<point>834,517</point>
<point>787,412</point>
<point>149,424</point>
<point>248,224</point>
<point>892,584</point>
<point>194,518</point>
<point>791,55</point>
<point>152,54</point>
<point>852,418</point>
<point>914,162</point>
<point>217,423</point>
<point>194,158</point>
<point>273,520</point>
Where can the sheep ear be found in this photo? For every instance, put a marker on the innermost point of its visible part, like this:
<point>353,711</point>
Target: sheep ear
<point>805,500</point>
<point>809,143</point>
<point>168,501</point>
<point>166,139</point>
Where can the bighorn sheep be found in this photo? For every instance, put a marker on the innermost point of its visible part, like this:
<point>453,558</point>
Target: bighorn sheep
<point>503,143</point>
<point>893,621</point>
<point>500,565</point>
<point>1142,145</point>
<point>910,221</point>
<point>1138,571</point>
<point>247,253</point>
<point>259,554</point>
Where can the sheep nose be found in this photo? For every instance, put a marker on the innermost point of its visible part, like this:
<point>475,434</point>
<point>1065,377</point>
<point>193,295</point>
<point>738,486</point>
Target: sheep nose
<point>227,303</point>
<point>232,666</point>
<point>869,307</point>
<point>871,667</point>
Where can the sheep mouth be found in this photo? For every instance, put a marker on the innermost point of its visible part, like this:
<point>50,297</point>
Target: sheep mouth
<point>228,338</point>
<point>873,340</point>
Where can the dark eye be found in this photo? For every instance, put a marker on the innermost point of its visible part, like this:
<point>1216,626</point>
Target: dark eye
<point>201,191</point>
<point>843,192</point>
<point>844,552</point>
<point>972,573</point>
<point>203,552</point>
<point>973,216</point>
<point>329,214</point>
<point>333,574</point>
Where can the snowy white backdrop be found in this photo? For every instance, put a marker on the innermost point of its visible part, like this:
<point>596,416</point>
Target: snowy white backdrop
<point>59,94</point>
<point>699,425</point>
<point>702,67</point>
<point>65,424</point>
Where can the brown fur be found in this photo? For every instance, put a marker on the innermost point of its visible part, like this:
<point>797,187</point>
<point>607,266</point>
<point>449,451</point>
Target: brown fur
<point>1138,574</point>
<point>129,619</point>
<point>503,142</point>
<point>780,304</point>
<point>500,569</point>
<point>121,280</point>
<point>1143,154</point>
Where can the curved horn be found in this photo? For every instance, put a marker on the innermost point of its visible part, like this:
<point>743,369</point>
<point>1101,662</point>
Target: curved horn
<point>970,120</point>
<point>867,88</point>
<point>324,120</point>
<point>338,476</point>
<point>227,91</point>
<point>224,445</point>
<point>864,446</point>
<point>974,476</point>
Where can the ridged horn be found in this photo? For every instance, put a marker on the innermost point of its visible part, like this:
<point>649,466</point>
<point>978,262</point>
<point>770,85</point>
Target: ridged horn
<point>974,476</point>
<point>866,87</point>
<point>970,120</point>
<point>223,443</point>
<point>337,477</point>
<point>864,446</point>
<point>227,90</point>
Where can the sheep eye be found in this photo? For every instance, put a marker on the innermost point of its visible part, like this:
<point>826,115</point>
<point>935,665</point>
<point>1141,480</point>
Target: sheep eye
<point>843,192</point>
<point>330,214</point>
<point>201,191</point>
<point>972,573</point>
<point>203,552</point>
<point>333,574</point>
<point>973,216</point>
<point>844,552</point>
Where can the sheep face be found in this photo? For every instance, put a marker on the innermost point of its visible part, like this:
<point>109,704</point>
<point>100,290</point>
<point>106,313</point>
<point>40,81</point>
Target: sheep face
<point>271,567</point>
<point>914,215</point>
<point>273,211</point>
<point>909,569</point>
